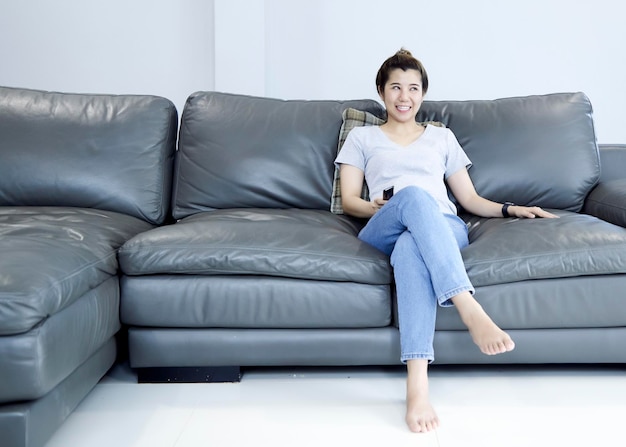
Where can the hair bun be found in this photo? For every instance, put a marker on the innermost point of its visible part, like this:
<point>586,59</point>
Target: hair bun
<point>404,52</point>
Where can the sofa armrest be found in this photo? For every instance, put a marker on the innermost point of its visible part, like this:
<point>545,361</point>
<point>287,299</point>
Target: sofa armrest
<point>612,161</point>
<point>607,201</point>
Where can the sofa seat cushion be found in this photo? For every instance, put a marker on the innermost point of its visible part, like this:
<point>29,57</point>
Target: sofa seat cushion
<point>554,303</point>
<point>35,362</point>
<point>509,250</point>
<point>233,301</point>
<point>51,256</point>
<point>303,244</point>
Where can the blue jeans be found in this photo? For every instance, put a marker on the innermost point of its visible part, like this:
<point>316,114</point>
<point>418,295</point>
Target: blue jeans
<point>425,249</point>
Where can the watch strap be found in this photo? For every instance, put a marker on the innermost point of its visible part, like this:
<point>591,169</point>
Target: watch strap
<point>505,209</point>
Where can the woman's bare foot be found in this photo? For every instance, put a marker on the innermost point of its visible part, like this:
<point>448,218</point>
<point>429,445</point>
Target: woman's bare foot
<point>420,415</point>
<point>486,334</point>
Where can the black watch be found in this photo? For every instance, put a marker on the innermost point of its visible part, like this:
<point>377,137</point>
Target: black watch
<point>505,209</point>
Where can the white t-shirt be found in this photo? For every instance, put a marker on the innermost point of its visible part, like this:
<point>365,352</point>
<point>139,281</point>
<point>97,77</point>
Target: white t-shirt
<point>425,163</point>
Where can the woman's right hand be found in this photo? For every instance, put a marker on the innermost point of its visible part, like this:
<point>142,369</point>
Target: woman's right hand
<point>351,185</point>
<point>378,204</point>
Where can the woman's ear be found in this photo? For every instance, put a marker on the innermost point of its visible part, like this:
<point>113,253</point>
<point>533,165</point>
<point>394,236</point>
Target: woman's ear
<point>380,94</point>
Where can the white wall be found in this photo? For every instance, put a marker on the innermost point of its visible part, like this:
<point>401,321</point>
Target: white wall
<point>160,47</point>
<point>321,49</point>
<point>479,49</point>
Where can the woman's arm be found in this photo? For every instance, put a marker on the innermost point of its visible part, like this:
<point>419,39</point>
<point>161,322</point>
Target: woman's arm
<point>351,181</point>
<point>463,189</point>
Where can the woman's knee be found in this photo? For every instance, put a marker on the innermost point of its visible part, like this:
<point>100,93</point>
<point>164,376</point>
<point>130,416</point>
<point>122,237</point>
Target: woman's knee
<point>414,194</point>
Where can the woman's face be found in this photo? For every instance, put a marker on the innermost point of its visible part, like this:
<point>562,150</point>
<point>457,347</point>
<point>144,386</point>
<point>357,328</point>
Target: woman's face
<point>403,95</point>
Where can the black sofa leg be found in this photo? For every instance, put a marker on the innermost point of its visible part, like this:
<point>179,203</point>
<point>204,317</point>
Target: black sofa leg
<point>212,374</point>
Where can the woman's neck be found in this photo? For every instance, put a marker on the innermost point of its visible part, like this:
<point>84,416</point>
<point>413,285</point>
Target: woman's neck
<point>402,128</point>
<point>402,134</point>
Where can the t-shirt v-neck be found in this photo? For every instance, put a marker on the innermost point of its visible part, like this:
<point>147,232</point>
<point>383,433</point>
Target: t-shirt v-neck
<point>384,135</point>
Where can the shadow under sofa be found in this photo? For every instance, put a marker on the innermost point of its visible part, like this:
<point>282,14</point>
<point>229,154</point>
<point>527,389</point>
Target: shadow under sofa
<point>257,271</point>
<point>79,175</point>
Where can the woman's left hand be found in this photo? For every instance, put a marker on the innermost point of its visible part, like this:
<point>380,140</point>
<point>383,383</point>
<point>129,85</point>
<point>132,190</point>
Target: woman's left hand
<point>529,212</point>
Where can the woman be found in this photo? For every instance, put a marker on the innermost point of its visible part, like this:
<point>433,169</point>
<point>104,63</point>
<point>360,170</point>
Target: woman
<point>418,226</point>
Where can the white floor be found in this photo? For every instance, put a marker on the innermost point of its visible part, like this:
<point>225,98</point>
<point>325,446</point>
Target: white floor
<point>477,406</point>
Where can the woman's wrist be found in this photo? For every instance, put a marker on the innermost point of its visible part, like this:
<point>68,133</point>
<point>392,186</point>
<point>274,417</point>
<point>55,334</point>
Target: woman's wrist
<point>505,209</point>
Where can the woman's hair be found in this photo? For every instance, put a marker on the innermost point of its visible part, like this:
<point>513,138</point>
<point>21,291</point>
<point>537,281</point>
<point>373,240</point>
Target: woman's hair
<point>404,60</point>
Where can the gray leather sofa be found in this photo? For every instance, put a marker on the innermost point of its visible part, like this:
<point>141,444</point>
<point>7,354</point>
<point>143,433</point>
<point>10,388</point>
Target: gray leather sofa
<point>79,175</point>
<point>257,270</point>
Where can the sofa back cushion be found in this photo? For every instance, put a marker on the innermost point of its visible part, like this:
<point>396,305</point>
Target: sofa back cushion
<point>94,151</point>
<point>238,151</point>
<point>534,150</point>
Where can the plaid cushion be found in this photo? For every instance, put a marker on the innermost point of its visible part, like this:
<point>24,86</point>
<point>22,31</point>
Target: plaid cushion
<point>356,118</point>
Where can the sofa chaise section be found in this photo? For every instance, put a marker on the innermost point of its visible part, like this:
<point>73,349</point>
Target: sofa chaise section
<point>80,175</point>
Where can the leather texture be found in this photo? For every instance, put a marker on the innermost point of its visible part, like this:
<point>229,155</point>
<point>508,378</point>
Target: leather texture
<point>53,256</point>
<point>607,201</point>
<point>380,346</point>
<point>252,301</point>
<point>534,150</point>
<point>258,272</point>
<point>32,423</point>
<point>239,151</point>
<point>35,362</point>
<point>94,151</point>
<point>565,303</point>
<point>79,175</point>
<point>613,160</point>
<point>509,250</point>
<point>263,347</point>
<point>304,244</point>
